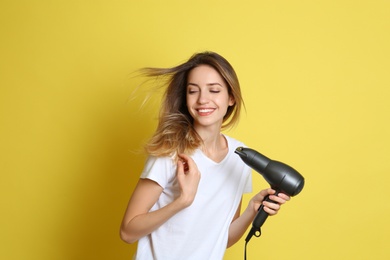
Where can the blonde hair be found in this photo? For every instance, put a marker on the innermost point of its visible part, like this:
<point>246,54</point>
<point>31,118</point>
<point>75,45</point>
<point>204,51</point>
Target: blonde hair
<point>175,132</point>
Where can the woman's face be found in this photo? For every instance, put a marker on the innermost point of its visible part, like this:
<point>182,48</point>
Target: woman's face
<point>207,97</point>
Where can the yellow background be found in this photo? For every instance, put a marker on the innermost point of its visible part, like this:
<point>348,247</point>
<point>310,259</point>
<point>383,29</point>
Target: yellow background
<point>315,78</point>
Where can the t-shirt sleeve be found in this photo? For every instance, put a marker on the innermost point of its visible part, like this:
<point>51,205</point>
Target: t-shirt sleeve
<point>159,169</point>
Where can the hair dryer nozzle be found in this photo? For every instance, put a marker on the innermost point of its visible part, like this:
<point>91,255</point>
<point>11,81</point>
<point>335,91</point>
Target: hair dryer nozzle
<point>240,152</point>
<point>252,158</point>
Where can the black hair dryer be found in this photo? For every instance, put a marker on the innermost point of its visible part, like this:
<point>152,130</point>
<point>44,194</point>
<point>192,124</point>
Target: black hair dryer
<point>280,176</point>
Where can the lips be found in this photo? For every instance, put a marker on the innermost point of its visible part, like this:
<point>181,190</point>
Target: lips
<point>205,111</point>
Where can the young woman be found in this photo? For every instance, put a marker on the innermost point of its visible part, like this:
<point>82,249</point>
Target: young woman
<point>187,202</point>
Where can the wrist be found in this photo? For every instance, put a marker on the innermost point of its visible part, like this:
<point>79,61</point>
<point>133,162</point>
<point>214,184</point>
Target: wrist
<point>184,201</point>
<point>250,210</point>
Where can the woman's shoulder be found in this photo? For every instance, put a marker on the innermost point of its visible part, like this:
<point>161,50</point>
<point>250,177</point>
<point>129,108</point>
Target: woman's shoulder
<point>159,160</point>
<point>159,169</point>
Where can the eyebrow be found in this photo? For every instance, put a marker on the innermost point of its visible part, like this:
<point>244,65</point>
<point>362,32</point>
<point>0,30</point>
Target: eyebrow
<point>208,84</point>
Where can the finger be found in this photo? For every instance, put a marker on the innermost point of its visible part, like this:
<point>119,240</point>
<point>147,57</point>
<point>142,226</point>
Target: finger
<point>186,158</point>
<point>189,162</point>
<point>183,160</point>
<point>270,211</point>
<point>268,191</point>
<point>271,191</point>
<point>272,206</point>
<point>265,192</point>
<point>280,198</point>
<point>184,164</point>
<point>284,196</point>
<point>277,199</point>
<point>180,167</point>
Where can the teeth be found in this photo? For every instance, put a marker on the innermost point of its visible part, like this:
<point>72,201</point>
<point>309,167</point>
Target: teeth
<point>205,110</point>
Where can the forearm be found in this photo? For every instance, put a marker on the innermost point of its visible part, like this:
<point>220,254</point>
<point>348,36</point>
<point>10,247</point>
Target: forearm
<point>144,224</point>
<point>239,226</point>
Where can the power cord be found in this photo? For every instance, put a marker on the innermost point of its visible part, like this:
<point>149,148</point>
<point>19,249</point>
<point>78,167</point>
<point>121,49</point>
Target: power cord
<point>253,232</point>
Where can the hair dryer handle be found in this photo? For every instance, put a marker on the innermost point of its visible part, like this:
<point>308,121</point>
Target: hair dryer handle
<point>259,219</point>
<point>261,216</point>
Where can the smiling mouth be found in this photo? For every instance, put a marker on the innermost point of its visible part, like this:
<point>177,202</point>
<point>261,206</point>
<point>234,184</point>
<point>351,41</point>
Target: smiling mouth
<point>205,111</point>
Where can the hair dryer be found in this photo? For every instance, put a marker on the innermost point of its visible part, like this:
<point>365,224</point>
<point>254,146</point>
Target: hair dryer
<point>280,176</point>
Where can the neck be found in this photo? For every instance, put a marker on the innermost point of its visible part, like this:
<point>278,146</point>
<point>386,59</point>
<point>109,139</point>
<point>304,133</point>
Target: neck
<point>213,142</point>
<point>210,135</point>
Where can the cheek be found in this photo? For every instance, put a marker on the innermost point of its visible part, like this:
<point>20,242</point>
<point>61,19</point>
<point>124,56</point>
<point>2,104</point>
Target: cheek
<point>191,100</point>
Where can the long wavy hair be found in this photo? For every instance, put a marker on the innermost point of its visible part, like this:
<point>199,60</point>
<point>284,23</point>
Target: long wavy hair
<point>175,132</point>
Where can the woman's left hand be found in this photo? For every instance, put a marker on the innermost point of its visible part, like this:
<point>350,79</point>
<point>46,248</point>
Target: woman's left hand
<point>271,208</point>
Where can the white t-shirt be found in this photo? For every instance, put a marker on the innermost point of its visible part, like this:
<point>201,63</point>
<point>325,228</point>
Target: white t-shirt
<point>201,230</point>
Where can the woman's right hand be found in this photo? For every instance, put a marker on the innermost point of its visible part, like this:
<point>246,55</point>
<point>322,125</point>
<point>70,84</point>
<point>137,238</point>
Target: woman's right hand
<point>188,177</point>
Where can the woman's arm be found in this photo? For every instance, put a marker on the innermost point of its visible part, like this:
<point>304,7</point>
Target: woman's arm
<point>240,223</point>
<point>138,221</point>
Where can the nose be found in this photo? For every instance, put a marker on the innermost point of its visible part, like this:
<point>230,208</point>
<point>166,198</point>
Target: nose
<point>203,97</point>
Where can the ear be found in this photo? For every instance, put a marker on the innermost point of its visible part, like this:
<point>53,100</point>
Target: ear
<point>232,101</point>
